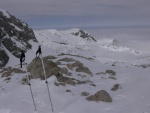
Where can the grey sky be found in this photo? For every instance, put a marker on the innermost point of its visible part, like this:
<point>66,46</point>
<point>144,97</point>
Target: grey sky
<point>86,13</point>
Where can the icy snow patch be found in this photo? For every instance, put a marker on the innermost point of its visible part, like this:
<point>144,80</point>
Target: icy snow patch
<point>17,28</point>
<point>5,13</point>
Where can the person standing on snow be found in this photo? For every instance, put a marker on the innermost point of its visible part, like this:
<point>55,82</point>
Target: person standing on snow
<point>38,52</point>
<point>22,58</point>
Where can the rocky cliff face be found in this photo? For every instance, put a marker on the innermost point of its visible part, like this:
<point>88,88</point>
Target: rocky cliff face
<point>3,57</point>
<point>14,36</point>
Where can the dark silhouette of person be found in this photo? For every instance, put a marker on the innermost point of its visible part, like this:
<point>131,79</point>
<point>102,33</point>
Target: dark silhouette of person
<point>22,58</point>
<point>38,52</point>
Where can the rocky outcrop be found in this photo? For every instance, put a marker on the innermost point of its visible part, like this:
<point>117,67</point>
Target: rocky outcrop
<point>36,68</point>
<point>3,58</point>
<point>6,72</point>
<point>84,94</point>
<point>64,70</point>
<point>79,67</point>
<point>111,72</point>
<point>14,35</point>
<point>115,87</point>
<point>101,95</point>
<point>67,59</point>
<point>143,65</point>
<point>65,80</point>
<point>84,35</point>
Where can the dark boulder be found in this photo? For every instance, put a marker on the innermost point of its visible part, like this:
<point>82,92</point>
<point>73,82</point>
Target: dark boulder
<point>101,95</point>
<point>36,68</point>
<point>3,58</point>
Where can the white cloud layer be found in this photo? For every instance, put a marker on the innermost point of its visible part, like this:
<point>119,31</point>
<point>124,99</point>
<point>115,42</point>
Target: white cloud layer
<point>92,12</point>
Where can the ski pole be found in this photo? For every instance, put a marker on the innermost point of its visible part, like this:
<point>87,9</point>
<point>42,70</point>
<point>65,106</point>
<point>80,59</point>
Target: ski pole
<point>43,68</point>
<point>47,84</point>
<point>31,92</point>
<point>49,95</point>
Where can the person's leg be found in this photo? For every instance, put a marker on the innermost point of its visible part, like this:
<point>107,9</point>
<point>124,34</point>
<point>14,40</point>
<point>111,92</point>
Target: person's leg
<point>23,60</point>
<point>37,53</point>
<point>20,64</point>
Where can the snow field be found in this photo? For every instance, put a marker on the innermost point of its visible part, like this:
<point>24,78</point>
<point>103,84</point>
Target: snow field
<point>131,97</point>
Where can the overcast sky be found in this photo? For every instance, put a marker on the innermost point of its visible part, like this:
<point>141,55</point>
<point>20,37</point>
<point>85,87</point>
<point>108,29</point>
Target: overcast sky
<point>80,13</point>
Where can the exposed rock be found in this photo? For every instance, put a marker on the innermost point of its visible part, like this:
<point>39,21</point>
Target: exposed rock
<point>3,58</point>
<point>56,84</point>
<point>87,58</point>
<point>67,59</point>
<point>6,74</point>
<point>113,65</point>
<point>84,94</point>
<point>50,57</point>
<point>62,83</point>
<point>24,81</point>
<point>68,90</point>
<point>36,68</point>
<point>101,95</point>
<point>64,70</point>
<point>70,81</point>
<point>93,85</point>
<point>16,70</point>
<point>84,35</point>
<point>81,82</point>
<point>81,75</point>
<point>66,80</point>
<point>111,72</point>
<point>58,63</point>
<point>143,65</point>
<point>99,73</point>
<point>79,67</point>
<point>69,74</point>
<point>115,87</point>
<point>8,71</point>
<point>7,79</point>
<point>76,64</point>
<point>103,77</point>
<point>84,69</point>
<point>111,77</point>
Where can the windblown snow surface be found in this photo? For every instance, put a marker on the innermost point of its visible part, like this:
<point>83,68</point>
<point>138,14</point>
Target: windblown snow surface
<point>104,54</point>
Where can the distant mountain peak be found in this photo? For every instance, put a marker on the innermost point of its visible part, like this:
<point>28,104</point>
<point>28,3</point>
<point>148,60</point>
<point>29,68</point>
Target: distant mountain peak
<point>83,34</point>
<point>74,32</point>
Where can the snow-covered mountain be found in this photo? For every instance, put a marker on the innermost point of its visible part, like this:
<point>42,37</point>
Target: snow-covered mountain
<point>14,36</point>
<point>89,70</point>
<point>66,42</point>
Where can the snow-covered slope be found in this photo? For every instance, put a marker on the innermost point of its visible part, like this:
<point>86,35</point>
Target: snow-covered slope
<point>66,42</point>
<point>99,56</point>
